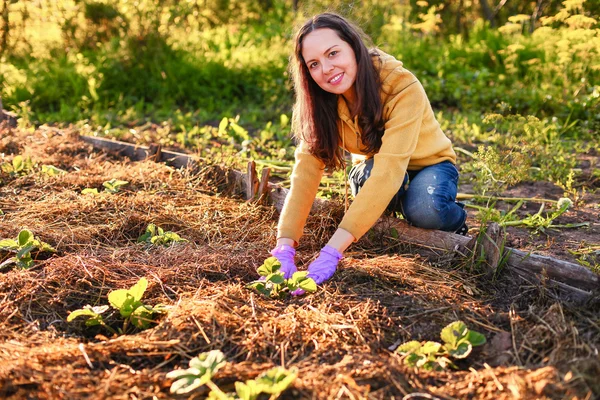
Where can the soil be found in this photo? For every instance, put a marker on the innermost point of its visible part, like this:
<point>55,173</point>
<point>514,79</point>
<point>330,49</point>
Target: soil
<point>341,339</point>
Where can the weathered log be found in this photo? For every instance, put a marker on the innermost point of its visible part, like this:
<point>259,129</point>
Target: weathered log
<point>138,153</point>
<point>570,277</point>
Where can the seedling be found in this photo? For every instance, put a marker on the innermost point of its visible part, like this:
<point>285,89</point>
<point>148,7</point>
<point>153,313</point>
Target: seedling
<point>19,166</point>
<point>539,223</point>
<point>458,344</point>
<point>129,304</point>
<point>155,235</point>
<point>114,185</point>
<point>272,284</point>
<point>51,170</point>
<point>90,191</point>
<point>23,245</point>
<point>203,368</point>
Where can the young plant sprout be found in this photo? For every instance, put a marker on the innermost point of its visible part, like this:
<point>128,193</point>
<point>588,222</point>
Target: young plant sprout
<point>19,166</point>
<point>51,170</point>
<point>156,235</point>
<point>114,185</point>
<point>129,304</point>
<point>204,367</point>
<point>458,344</point>
<point>272,283</point>
<point>23,245</point>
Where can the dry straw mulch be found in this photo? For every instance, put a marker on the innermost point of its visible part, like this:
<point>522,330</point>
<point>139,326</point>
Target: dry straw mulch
<point>339,338</point>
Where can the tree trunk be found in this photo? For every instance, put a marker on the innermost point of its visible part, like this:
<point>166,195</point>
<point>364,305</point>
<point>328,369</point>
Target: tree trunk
<point>5,28</point>
<point>487,12</point>
<point>295,5</point>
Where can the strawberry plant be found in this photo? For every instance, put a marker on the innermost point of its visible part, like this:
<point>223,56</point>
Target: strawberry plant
<point>19,166</point>
<point>23,245</point>
<point>458,344</point>
<point>202,369</point>
<point>51,170</point>
<point>114,185</point>
<point>128,302</point>
<point>272,283</point>
<point>156,235</point>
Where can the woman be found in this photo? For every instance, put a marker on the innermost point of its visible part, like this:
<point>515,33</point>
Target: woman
<point>362,101</point>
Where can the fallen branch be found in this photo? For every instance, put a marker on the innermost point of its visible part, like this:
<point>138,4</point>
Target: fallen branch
<point>578,281</point>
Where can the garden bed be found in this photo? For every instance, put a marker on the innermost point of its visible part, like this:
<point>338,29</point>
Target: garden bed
<point>538,346</point>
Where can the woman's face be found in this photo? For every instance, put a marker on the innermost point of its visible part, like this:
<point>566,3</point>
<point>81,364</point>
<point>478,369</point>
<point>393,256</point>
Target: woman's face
<point>330,61</point>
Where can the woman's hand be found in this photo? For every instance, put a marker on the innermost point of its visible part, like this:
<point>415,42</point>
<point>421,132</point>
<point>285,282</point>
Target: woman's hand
<point>285,255</point>
<point>323,267</point>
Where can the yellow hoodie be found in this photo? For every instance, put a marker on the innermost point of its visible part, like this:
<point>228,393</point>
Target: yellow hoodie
<point>412,140</point>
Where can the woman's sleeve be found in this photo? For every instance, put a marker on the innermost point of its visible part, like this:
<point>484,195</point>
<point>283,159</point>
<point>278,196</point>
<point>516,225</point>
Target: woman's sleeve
<point>305,180</point>
<point>402,129</point>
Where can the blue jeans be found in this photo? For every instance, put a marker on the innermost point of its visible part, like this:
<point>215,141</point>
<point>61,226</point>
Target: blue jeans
<point>426,199</point>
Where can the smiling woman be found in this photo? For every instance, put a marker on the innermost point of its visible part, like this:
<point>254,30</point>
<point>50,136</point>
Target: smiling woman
<point>352,98</point>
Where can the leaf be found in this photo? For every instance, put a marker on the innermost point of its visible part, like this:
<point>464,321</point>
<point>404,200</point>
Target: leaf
<point>409,347</point>
<point>243,391</point>
<point>475,338</point>
<point>137,290</point>
<point>307,284</point>
<point>116,298</point>
<point>453,332</point>
<point>186,384</point>
<point>270,265</point>
<point>141,317</point>
<point>277,379</point>
<point>17,163</point>
<point>430,348</point>
<point>90,191</point>
<point>25,236</point>
<point>209,362</point>
<point>249,390</point>
<point>82,312</point>
<point>25,252</point>
<point>51,170</point>
<point>223,126</point>
<point>276,278</point>
<point>461,351</point>
<point>8,244</point>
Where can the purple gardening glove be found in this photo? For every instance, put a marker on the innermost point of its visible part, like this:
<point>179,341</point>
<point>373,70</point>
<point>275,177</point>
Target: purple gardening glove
<point>285,254</point>
<point>323,267</point>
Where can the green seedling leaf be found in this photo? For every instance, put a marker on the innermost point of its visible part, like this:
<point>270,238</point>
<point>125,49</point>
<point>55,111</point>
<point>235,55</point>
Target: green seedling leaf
<point>155,235</point>
<point>249,390</point>
<point>51,170</point>
<point>462,350</point>
<point>123,301</point>
<point>18,163</point>
<point>137,290</point>
<point>276,380</point>
<point>90,191</point>
<point>201,370</point>
<point>276,278</point>
<point>409,347</point>
<point>93,314</point>
<point>141,317</point>
<point>307,284</point>
<point>9,244</point>
<point>25,236</point>
<point>453,333</point>
<point>475,338</point>
<point>430,348</point>
<point>260,287</point>
<point>270,266</point>
<point>114,185</point>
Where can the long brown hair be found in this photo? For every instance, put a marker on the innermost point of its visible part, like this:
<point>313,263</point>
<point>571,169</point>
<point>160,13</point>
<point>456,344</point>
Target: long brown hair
<point>315,111</point>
